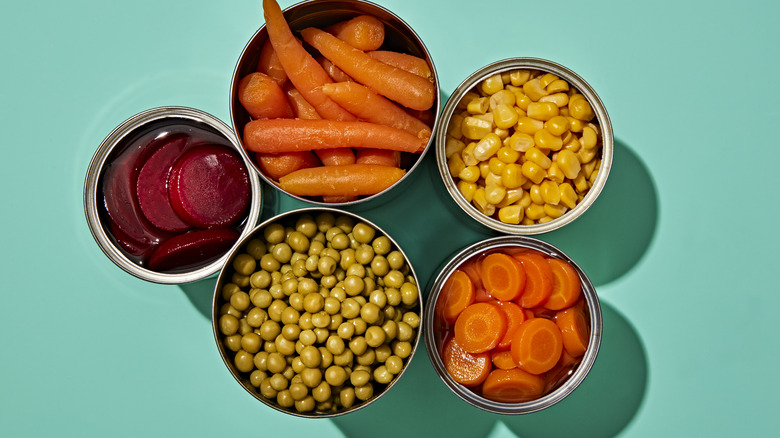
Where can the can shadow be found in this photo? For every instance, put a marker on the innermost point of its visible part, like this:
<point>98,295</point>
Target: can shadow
<point>601,406</point>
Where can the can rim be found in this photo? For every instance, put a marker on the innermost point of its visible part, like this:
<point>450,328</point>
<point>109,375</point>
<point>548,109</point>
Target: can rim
<point>567,387</point>
<point>582,86</point>
<point>95,169</point>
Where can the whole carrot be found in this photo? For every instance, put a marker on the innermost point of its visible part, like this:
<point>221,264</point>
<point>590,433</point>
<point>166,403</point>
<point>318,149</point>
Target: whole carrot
<point>288,135</point>
<point>348,180</point>
<point>269,64</point>
<point>262,97</point>
<point>396,84</point>
<point>301,108</point>
<point>364,32</point>
<point>404,61</point>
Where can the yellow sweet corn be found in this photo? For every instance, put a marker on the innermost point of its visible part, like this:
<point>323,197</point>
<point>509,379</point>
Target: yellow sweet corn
<point>542,110</point>
<point>453,146</point>
<point>479,105</point>
<point>487,146</point>
<point>512,176</point>
<point>569,163</point>
<point>468,155</point>
<point>504,96</point>
<point>589,137</point>
<point>519,77</point>
<point>528,125</point>
<point>557,125</point>
<point>455,165</point>
<point>568,195</point>
<point>511,214</point>
<point>544,139</point>
<point>520,141</point>
<point>537,156</point>
<point>492,84</point>
<point>579,108</point>
<point>554,173</point>
<point>467,189</point>
<point>558,86</point>
<point>558,99</point>
<point>469,174</point>
<point>551,193</point>
<point>535,212</point>
<point>475,128</point>
<point>467,97</point>
<point>494,194</point>
<point>505,116</point>
<point>534,90</point>
<point>536,194</point>
<point>507,154</point>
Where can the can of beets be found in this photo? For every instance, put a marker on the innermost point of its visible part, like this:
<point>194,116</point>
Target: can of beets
<point>168,194</point>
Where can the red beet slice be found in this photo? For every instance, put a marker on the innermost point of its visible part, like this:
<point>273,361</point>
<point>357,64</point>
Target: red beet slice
<point>152,186</point>
<point>191,249</point>
<point>209,187</point>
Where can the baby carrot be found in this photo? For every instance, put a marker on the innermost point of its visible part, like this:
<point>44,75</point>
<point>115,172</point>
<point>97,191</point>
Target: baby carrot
<point>334,72</point>
<point>502,359</point>
<point>468,369</point>
<point>537,345</point>
<point>384,157</point>
<point>276,166</point>
<point>336,156</point>
<point>480,327</point>
<point>269,64</point>
<point>301,108</point>
<point>512,386</point>
<point>503,276</point>
<point>566,287</point>
<point>404,61</point>
<point>372,107</point>
<point>456,295</point>
<point>539,279</point>
<point>515,315</point>
<point>346,180</point>
<point>574,329</point>
<point>364,32</point>
<point>285,135</point>
<point>406,88</point>
<point>302,69</point>
<point>262,97</point>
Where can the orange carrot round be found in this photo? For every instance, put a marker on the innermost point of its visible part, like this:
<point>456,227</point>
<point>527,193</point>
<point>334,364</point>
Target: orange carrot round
<point>502,359</point>
<point>537,345</point>
<point>404,61</point>
<point>512,386</point>
<point>456,294</point>
<point>346,180</point>
<point>539,279</point>
<point>480,327</point>
<point>276,166</point>
<point>468,369</point>
<point>364,32</point>
<point>574,329</point>
<point>515,315</point>
<point>503,276</point>
<point>566,288</point>
<point>262,97</point>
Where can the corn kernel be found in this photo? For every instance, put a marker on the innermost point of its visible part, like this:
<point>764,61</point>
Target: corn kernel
<point>502,96</point>
<point>525,199</point>
<point>453,129</point>
<point>455,164</point>
<point>467,97</point>
<point>488,117</point>
<point>581,183</point>
<point>505,116</point>
<point>544,220</point>
<point>554,173</point>
<point>592,178</point>
<point>527,184</point>
<point>475,128</point>
<point>535,212</point>
<point>568,195</point>
<point>522,100</point>
<point>536,194</point>
<point>467,189</point>
<point>555,210</point>
<point>478,198</point>
<point>557,125</point>
<point>567,136</point>
<point>493,179</point>
<point>536,156</point>
<point>507,155</point>
<point>558,99</point>
<point>487,146</point>
<point>484,169</point>
<point>467,154</point>
<point>511,214</point>
<point>573,144</point>
<point>529,126</point>
<point>527,221</point>
<point>534,90</point>
<point>496,165</point>
<point>579,108</point>
<point>512,176</point>
<point>520,141</point>
<point>533,172</point>
<point>505,77</point>
<point>546,79</point>
<point>519,77</point>
<point>589,137</point>
<point>469,174</point>
<point>564,111</point>
<point>575,125</point>
<point>550,191</point>
<point>512,197</point>
<point>587,155</point>
<point>569,163</point>
<point>453,146</point>
<point>501,133</point>
<point>558,86</point>
<point>542,110</point>
<point>492,84</point>
<point>479,105</point>
<point>494,194</point>
<point>543,139</point>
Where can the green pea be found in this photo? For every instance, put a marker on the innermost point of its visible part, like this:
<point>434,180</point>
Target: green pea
<point>313,302</point>
<point>322,392</point>
<point>228,324</point>
<point>350,308</point>
<point>311,377</point>
<point>274,233</point>
<point>269,263</point>
<point>409,294</point>
<point>394,279</point>
<point>396,259</point>
<point>359,378</point>
<point>360,325</point>
<point>405,331</point>
<point>298,241</point>
<point>324,221</point>
<point>282,252</point>
<point>256,248</point>
<point>358,345</point>
<point>316,247</point>
<point>367,358</point>
<point>344,359</point>
<point>340,242</point>
<point>375,336</point>
<point>347,258</point>
<point>275,310</point>
<point>364,254</point>
<point>290,315</point>
<point>369,312</point>
<point>382,245</point>
<point>379,266</point>
<point>240,280</point>
<point>328,281</point>
<point>306,225</point>
<point>283,398</point>
<point>308,337</point>
<point>307,286</point>
<point>326,265</point>
<point>364,392</point>
<point>244,361</point>
<point>412,318</point>
<point>266,390</point>
<point>345,330</point>
<point>353,285</point>
<point>327,358</point>
<point>402,349</point>
<point>233,342</point>
<point>244,264</point>
<point>251,342</point>
<point>260,279</point>
<point>257,377</point>
<point>390,328</point>
<point>347,396</point>
<point>269,330</point>
<point>335,322</point>
<point>363,232</point>
<point>378,297</point>
<point>291,331</point>
<point>228,290</point>
<point>335,344</point>
<point>335,375</point>
<point>284,346</point>
<point>275,363</point>
<point>382,375</point>
<point>261,361</point>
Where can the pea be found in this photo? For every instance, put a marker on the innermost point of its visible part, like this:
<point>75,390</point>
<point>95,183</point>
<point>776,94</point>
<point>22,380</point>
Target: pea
<point>367,358</point>
<point>261,361</point>
<point>306,225</point>
<point>405,331</point>
<point>338,293</point>
<point>298,391</point>
<point>291,332</point>
<point>251,342</point>
<point>244,361</point>
<point>310,356</point>
<point>327,357</point>
<point>269,347</point>
<point>340,242</point>
<point>335,344</point>
<point>347,396</point>
<point>260,279</point>
<point>382,245</point>
<point>269,330</point>
<point>335,375</point>
<point>322,335</point>
<point>335,322</point>
<point>382,375</point>
<point>308,337</point>
<point>315,248</point>
<point>390,312</point>
<point>375,336</point>
<point>350,308</point>
<point>275,310</point>
<point>393,296</point>
<point>321,392</point>
<point>240,280</point>
<point>244,327</point>
<point>364,254</point>
<point>358,345</point>
<point>378,297</point>
<point>313,302</point>
<point>379,266</point>
<point>409,294</point>
<point>325,220</point>
<point>297,366</point>
<point>305,321</point>
<point>228,324</point>
<point>363,232</point>
<point>299,267</point>
<point>256,248</point>
<point>394,364</point>
<point>328,281</point>
<point>326,265</point>
<point>412,319</point>
<point>320,320</point>
<point>274,233</point>
<point>244,264</point>
<point>360,325</point>
<point>395,259</point>
<point>257,377</point>
<point>228,290</point>
<point>369,284</point>
<point>394,279</point>
<point>266,390</point>
<point>284,346</point>
<point>369,312</point>
<point>282,252</point>
<point>290,315</point>
<point>390,328</point>
<point>354,285</point>
<point>345,330</point>
<point>346,258</point>
<point>359,378</point>
<point>344,359</point>
<point>284,399</point>
<point>364,392</point>
<point>296,301</point>
<point>311,377</point>
<point>275,363</point>
<point>383,352</point>
<point>233,342</point>
<point>402,349</point>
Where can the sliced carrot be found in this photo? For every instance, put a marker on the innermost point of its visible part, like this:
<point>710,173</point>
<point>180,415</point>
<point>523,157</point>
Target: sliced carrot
<point>364,32</point>
<point>404,61</point>
<point>503,276</point>
<point>334,72</point>
<point>515,315</point>
<point>468,369</point>
<point>276,166</point>
<point>574,329</point>
<point>480,327</point>
<point>378,156</point>
<point>262,97</point>
<point>537,345</point>
<point>566,287</point>
<point>287,135</point>
<point>372,107</point>
<point>539,279</point>
<point>502,359</point>
<point>270,65</point>
<point>456,294</point>
<point>512,386</point>
<point>301,108</point>
<point>406,88</point>
<point>347,180</point>
<point>302,69</point>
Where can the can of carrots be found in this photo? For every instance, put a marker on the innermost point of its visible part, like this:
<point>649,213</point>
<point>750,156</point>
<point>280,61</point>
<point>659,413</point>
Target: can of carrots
<point>334,102</point>
<point>512,325</point>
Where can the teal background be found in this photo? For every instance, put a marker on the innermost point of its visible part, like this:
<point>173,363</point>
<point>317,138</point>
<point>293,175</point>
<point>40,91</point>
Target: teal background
<point>681,245</point>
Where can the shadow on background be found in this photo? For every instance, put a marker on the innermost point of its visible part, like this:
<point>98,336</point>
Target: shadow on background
<point>612,236</point>
<point>201,295</point>
<point>605,402</point>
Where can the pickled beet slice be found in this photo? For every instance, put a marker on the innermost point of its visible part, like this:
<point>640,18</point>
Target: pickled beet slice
<point>209,187</point>
<point>191,249</point>
<point>152,186</point>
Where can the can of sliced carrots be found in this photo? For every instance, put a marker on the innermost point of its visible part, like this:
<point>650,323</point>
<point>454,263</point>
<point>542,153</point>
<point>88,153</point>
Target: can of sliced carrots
<point>512,325</point>
<point>334,102</point>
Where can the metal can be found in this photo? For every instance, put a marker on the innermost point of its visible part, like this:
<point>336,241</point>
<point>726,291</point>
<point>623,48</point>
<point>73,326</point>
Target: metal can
<point>399,36</point>
<point>506,66</point>
<point>184,120</point>
<point>434,336</point>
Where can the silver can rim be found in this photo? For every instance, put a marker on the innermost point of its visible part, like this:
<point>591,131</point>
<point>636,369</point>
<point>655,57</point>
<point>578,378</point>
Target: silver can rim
<point>584,88</point>
<point>262,32</point>
<point>95,170</point>
<point>470,397</point>
<point>223,276</point>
